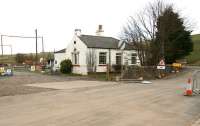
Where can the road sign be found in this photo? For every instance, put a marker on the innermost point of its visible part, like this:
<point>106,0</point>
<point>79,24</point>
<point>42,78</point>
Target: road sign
<point>32,68</point>
<point>161,67</point>
<point>161,63</point>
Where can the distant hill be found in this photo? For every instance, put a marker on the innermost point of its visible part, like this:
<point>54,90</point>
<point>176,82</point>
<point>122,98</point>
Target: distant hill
<point>194,57</point>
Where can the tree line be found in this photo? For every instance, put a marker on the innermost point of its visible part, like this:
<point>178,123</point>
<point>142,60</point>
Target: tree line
<point>31,58</point>
<point>158,32</point>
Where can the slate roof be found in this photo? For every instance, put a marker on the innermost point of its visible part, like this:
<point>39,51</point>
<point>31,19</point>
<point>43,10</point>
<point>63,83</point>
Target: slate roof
<point>129,46</point>
<point>103,42</point>
<point>61,51</point>
<point>99,42</point>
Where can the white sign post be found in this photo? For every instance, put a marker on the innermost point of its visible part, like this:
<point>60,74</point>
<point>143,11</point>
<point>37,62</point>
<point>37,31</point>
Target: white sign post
<point>161,65</point>
<point>32,68</point>
<point>161,68</point>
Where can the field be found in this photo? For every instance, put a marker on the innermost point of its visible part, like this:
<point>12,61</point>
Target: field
<point>7,59</point>
<point>11,59</point>
<point>194,57</point>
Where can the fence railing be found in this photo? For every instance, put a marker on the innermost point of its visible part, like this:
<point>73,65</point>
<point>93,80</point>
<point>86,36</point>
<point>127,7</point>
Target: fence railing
<point>21,68</point>
<point>196,82</point>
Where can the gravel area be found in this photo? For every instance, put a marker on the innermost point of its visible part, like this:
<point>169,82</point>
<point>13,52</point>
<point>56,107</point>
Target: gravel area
<point>15,85</point>
<point>161,103</point>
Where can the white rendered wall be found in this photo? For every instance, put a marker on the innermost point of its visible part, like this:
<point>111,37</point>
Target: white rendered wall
<point>80,46</point>
<point>81,68</point>
<point>126,56</point>
<point>58,57</point>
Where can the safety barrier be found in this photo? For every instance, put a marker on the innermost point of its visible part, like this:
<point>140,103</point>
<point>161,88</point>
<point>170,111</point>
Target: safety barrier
<point>196,82</point>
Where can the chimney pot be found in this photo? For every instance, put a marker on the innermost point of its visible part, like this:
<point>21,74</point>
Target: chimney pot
<point>99,31</point>
<point>100,27</point>
<point>77,32</point>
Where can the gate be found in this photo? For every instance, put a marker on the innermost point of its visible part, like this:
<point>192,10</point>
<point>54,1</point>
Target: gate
<point>196,82</point>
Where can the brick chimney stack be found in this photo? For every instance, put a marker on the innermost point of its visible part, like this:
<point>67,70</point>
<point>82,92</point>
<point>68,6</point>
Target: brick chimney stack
<point>100,30</point>
<point>77,32</point>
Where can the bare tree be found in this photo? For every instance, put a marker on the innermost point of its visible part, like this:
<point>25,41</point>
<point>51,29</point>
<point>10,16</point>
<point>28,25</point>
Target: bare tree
<point>141,30</point>
<point>91,60</point>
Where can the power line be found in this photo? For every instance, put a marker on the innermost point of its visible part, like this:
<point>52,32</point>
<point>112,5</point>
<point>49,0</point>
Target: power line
<point>10,48</point>
<point>19,36</point>
<point>2,46</point>
<point>36,57</point>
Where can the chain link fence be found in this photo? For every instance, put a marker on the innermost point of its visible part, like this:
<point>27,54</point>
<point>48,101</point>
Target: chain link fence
<point>196,82</point>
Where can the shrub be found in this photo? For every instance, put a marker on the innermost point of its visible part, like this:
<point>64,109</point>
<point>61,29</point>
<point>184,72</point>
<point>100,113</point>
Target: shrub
<point>134,72</point>
<point>117,68</point>
<point>66,66</point>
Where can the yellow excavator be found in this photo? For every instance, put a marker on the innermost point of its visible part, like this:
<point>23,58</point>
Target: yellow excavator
<point>177,66</point>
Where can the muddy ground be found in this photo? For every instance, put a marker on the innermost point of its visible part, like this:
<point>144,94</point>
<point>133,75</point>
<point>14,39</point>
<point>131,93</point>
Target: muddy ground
<point>14,85</point>
<point>62,101</point>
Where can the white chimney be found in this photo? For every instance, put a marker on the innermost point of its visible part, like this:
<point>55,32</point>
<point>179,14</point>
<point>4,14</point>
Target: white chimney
<point>77,32</point>
<point>100,30</point>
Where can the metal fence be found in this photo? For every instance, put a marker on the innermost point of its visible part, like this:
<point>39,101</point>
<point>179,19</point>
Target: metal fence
<point>196,82</point>
<point>21,68</point>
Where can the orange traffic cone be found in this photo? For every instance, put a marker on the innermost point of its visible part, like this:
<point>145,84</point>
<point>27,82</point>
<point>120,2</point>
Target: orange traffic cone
<point>188,91</point>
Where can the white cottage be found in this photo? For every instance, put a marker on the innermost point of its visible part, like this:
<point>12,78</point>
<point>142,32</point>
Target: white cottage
<point>93,53</point>
<point>58,57</point>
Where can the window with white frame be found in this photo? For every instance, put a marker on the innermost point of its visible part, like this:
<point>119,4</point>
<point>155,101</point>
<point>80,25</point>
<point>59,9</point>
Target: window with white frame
<point>102,58</point>
<point>133,58</point>
<point>118,58</point>
<point>75,57</point>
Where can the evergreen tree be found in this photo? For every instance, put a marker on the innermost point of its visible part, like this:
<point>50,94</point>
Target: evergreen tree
<point>173,40</point>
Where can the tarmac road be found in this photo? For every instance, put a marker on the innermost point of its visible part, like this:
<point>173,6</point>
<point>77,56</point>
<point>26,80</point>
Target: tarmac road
<point>106,104</point>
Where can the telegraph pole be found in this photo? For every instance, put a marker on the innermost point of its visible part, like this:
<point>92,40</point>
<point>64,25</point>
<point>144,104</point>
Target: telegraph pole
<point>42,51</point>
<point>17,36</point>
<point>42,44</point>
<point>36,49</point>
<point>2,45</point>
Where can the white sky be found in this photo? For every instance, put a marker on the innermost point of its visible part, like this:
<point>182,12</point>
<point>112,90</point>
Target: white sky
<point>57,19</point>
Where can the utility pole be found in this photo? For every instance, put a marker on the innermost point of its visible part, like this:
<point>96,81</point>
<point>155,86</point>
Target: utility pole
<point>2,45</point>
<point>42,51</point>
<point>122,63</point>
<point>109,66</point>
<point>42,44</point>
<point>36,50</point>
<point>109,60</point>
<point>17,36</point>
<point>11,49</point>
<point>10,46</point>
